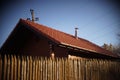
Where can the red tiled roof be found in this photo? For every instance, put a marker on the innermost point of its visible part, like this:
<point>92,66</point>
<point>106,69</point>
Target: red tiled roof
<point>67,39</point>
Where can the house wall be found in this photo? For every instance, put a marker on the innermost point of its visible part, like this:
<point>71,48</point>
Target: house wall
<point>60,52</point>
<point>39,46</point>
<point>35,46</point>
<point>24,41</point>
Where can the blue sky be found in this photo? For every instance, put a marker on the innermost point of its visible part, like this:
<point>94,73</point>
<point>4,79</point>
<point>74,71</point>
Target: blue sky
<point>98,20</point>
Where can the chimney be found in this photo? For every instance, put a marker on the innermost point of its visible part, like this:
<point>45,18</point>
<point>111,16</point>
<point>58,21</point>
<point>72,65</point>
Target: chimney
<point>76,32</point>
<point>32,14</point>
<point>33,17</point>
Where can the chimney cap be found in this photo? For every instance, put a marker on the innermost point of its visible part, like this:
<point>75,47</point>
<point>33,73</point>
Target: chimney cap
<point>76,28</point>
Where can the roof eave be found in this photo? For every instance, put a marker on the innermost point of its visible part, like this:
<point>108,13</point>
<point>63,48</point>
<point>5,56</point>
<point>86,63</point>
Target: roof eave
<point>87,50</point>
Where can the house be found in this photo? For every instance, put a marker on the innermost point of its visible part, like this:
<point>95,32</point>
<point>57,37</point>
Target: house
<point>30,38</point>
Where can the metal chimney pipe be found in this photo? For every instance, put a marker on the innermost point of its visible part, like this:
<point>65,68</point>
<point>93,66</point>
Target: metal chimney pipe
<point>76,32</point>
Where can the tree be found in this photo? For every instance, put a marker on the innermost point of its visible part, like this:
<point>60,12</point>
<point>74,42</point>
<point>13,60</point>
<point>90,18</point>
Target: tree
<point>108,47</point>
<point>117,49</point>
<point>113,48</point>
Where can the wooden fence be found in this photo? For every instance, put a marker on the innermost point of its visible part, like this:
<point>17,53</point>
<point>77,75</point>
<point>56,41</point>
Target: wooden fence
<point>38,68</point>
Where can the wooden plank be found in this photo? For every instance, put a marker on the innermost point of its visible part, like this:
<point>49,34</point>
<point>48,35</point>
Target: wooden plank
<point>5,67</point>
<point>75,70</point>
<point>46,62</point>
<point>66,69</point>
<point>49,69</point>
<point>27,68</point>
<point>8,67</point>
<point>33,70</point>
<point>18,68</point>
<point>57,69</point>
<point>30,67</point>
<point>22,68</point>
<point>43,70</point>
<point>15,68</point>
<point>38,68</point>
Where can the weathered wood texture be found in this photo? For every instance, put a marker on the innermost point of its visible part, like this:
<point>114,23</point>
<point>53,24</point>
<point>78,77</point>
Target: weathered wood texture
<point>38,68</point>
